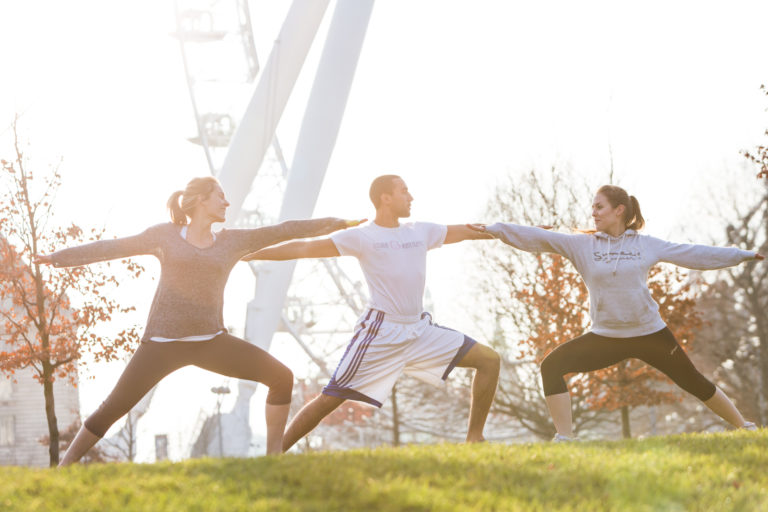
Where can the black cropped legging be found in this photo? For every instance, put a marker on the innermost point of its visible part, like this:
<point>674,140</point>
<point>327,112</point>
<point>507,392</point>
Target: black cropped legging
<point>224,354</point>
<point>591,352</point>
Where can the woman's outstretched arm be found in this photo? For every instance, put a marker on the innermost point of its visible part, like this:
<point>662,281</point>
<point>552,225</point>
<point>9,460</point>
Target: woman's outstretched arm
<point>530,238</point>
<point>252,240</point>
<point>699,257</point>
<point>102,250</point>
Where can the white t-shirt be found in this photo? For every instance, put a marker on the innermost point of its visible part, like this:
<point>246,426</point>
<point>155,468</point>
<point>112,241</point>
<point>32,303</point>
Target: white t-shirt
<point>394,262</point>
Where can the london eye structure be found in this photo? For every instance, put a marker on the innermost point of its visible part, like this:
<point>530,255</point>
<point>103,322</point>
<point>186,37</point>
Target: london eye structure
<point>237,106</point>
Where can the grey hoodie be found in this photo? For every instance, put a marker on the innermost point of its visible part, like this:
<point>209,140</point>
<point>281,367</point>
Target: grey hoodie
<point>615,270</point>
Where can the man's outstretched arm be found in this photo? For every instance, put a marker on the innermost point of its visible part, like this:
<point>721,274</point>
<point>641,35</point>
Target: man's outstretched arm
<point>323,248</point>
<point>461,232</point>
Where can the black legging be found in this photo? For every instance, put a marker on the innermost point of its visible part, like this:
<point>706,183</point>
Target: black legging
<point>591,352</point>
<point>224,354</point>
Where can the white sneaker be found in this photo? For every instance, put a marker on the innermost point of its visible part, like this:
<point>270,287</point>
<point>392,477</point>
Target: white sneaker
<point>749,426</point>
<point>560,438</point>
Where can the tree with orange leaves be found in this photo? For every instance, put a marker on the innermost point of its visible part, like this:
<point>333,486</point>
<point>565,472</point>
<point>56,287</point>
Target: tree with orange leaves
<point>543,302</point>
<point>43,329</point>
<point>538,300</point>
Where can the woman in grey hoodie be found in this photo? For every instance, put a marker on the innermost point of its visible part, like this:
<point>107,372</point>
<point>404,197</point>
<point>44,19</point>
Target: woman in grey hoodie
<point>614,261</point>
<point>185,324</point>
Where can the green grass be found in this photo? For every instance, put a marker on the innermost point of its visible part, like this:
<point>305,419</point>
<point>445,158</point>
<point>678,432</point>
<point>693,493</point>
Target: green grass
<point>716,472</point>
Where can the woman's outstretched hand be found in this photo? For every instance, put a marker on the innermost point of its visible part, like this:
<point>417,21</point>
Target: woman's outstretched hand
<point>759,256</point>
<point>481,227</point>
<point>42,259</point>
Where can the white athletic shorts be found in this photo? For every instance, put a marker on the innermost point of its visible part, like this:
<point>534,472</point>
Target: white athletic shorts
<point>384,346</point>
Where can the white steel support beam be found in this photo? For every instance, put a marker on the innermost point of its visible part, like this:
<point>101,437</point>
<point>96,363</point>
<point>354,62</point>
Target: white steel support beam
<point>317,138</point>
<point>257,127</point>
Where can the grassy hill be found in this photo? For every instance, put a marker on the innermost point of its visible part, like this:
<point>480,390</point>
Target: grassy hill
<point>716,472</point>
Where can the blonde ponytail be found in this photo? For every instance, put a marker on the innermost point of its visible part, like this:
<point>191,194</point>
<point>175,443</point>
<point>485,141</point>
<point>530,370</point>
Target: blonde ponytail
<point>198,189</point>
<point>174,206</point>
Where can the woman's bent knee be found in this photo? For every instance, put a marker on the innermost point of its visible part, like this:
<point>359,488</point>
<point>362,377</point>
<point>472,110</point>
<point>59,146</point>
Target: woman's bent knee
<point>281,386</point>
<point>552,376</point>
<point>97,424</point>
<point>700,387</point>
<point>549,366</point>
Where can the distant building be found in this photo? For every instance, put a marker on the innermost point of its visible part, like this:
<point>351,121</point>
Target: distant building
<point>22,413</point>
<point>228,434</point>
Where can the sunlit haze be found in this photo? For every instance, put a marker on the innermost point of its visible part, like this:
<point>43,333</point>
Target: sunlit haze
<point>451,95</point>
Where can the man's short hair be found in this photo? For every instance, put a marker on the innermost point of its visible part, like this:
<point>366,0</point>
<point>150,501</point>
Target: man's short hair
<point>382,185</point>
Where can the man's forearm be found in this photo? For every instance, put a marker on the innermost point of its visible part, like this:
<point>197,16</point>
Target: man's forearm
<point>459,233</point>
<point>289,251</point>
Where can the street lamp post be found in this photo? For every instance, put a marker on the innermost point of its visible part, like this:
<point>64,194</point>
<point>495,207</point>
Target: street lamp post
<point>220,391</point>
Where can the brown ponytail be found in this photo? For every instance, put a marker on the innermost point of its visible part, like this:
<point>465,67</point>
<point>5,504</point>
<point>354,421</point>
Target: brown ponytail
<point>177,214</point>
<point>198,189</point>
<point>633,218</point>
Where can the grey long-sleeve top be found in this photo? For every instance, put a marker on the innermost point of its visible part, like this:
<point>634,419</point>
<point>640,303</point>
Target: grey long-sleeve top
<point>189,299</point>
<point>615,270</point>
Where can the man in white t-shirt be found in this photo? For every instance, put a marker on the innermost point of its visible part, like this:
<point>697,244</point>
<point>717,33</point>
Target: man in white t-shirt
<point>394,335</point>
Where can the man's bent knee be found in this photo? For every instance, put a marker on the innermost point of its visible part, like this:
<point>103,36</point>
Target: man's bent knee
<point>493,360</point>
<point>481,357</point>
<point>328,401</point>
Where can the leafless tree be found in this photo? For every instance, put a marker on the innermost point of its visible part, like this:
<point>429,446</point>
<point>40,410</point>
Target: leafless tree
<point>734,342</point>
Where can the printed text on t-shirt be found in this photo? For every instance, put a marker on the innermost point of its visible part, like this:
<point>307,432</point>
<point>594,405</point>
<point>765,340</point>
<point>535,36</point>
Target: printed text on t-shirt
<point>394,244</point>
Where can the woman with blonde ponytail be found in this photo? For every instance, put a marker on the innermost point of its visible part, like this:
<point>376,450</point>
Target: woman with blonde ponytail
<point>174,207</point>
<point>185,324</point>
<point>614,260</point>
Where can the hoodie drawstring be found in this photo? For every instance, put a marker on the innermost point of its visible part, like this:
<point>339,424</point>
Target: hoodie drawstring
<point>618,256</point>
<point>608,242</point>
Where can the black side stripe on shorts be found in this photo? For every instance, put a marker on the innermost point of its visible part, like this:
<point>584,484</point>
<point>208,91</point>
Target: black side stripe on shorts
<point>373,330</point>
<point>351,343</point>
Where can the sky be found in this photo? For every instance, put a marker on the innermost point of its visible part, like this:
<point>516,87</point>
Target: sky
<point>452,95</point>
